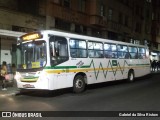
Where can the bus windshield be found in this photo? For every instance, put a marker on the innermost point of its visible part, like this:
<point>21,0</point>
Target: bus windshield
<point>31,55</point>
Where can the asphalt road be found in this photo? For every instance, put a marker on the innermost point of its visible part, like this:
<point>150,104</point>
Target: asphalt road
<point>141,95</point>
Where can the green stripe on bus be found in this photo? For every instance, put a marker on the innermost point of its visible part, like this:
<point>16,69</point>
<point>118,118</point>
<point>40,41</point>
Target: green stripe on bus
<point>65,67</point>
<point>111,65</point>
<point>30,77</point>
<point>88,66</point>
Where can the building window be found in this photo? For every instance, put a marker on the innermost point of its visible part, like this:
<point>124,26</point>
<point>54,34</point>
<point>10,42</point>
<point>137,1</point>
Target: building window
<point>22,29</point>
<point>110,14</point>
<point>147,14</point>
<point>28,6</point>
<point>138,28</point>
<point>82,5</point>
<point>149,1</point>
<point>66,3</point>
<point>147,29</point>
<point>57,1</point>
<point>126,21</point>
<point>137,10</point>
<point>62,25</point>
<point>136,42</point>
<point>158,16</point>
<point>112,35</point>
<point>120,18</point>
<point>126,2</point>
<point>102,10</point>
<point>78,29</point>
<point>96,33</point>
<point>157,31</point>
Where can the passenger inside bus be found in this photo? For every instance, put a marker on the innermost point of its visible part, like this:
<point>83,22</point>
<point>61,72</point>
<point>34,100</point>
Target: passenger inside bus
<point>127,55</point>
<point>108,54</point>
<point>114,55</point>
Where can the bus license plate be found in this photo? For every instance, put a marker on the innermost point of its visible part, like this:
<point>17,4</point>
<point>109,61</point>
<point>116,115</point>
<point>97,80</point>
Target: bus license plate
<point>28,86</point>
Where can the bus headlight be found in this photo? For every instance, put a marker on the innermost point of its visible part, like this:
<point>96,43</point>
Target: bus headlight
<point>37,74</point>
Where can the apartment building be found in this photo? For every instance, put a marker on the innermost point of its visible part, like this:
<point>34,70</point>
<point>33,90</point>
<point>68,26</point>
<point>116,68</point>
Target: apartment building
<point>17,18</point>
<point>121,20</point>
<point>156,21</point>
<point>155,28</point>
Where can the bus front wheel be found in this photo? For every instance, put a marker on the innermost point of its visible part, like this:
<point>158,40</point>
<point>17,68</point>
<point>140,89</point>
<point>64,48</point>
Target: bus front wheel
<point>79,84</point>
<point>131,76</point>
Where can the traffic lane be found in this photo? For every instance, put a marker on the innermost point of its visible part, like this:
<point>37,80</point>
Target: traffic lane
<point>140,95</point>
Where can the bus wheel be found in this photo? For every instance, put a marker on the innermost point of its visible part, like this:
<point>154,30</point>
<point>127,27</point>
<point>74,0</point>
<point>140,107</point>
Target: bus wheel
<point>79,84</point>
<point>131,76</point>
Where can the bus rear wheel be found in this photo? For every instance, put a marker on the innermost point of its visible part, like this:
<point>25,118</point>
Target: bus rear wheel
<point>79,84</point>
<point>131,76</point>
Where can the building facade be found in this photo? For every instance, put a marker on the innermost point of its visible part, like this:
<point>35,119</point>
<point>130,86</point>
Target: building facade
<point>17,18</point>
<point>155,29</point>
<point>121,20</point>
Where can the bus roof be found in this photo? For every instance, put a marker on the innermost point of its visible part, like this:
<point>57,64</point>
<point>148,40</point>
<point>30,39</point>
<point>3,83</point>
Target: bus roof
<point>76,36</point>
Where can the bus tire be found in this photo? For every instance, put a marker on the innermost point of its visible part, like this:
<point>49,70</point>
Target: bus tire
<point>131,76</point>
<point>79,84</point>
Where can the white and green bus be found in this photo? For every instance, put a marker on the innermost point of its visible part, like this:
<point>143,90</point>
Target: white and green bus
<point>52,60</point>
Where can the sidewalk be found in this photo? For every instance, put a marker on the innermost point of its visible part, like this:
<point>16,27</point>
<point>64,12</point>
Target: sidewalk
<point>13,90</point>
<point>155,72</point>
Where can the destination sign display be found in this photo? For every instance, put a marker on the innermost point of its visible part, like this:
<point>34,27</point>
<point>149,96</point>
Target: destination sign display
<point>31,36</point>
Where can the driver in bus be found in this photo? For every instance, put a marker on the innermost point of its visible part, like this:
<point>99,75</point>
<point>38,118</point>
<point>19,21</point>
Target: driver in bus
<point>42,60</point>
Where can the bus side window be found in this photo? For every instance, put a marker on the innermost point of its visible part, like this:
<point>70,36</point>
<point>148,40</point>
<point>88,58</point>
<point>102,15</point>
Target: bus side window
<point>127,55</point>
<point>123,52</point>
<point>113,55</point>
<point>73,53</point>
<point>91,53</point>
<point>78,48</point>
<point>108,54</point>
<point>58,50</point>
<point>136,56</point>
<point>95,49</point>
<point>141,53</point>
<point>133,52</point>
<point>107,50</point>
<point>63,50</point>
<point>83,53</point>
<point>114,50</point>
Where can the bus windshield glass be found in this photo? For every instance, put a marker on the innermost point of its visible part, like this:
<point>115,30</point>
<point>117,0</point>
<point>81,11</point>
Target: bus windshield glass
<point>31,55</point>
